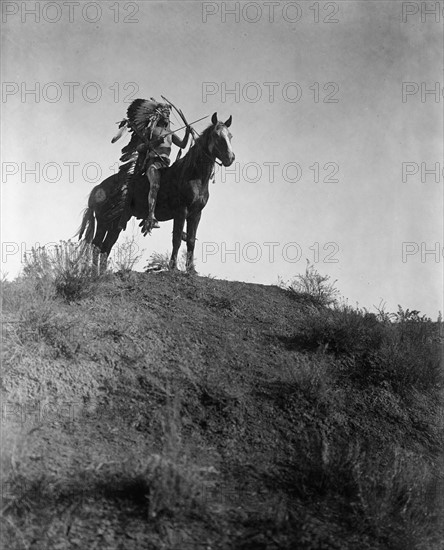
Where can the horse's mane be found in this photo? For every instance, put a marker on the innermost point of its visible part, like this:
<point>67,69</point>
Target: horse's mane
<point>193,158</point>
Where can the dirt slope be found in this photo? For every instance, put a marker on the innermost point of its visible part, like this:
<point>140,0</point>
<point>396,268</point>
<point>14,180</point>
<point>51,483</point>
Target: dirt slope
<point>165,411</point>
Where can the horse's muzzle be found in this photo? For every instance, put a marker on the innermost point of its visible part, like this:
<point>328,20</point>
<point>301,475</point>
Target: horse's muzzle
<point>228,161</point>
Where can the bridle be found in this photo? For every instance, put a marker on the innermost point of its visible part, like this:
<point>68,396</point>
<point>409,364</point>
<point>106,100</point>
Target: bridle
<point>214,160</point>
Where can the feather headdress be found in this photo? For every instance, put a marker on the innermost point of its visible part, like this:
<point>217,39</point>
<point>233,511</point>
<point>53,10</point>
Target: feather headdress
<point>141,117</point>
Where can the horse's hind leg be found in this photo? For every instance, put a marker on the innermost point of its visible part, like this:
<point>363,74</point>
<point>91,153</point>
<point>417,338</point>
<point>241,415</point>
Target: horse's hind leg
<point>97,243</point>
<point>95,262</point>
<point>192,224</point>
<point>108,243</point>
<point>179,222</point>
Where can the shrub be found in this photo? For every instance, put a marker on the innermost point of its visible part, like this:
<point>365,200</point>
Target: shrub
<point>340,330</point>
<point>124,256</point>
<point>67,268</point>
<point>403,351</point>
<point>313,288</point>
<point>161,262</point>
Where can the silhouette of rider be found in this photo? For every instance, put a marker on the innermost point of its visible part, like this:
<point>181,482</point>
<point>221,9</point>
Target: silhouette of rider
<point>157,156</point>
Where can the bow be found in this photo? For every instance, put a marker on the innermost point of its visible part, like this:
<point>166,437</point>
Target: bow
<point>182,116</point>
<point>186,126</point>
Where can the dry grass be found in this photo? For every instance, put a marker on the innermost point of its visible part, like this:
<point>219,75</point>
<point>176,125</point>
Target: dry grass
<point>160,262</point>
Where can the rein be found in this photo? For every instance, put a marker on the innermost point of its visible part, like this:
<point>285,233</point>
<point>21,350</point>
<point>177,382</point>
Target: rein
<point>211,159</point>
<point>214,161</point>
<point>206,154</point>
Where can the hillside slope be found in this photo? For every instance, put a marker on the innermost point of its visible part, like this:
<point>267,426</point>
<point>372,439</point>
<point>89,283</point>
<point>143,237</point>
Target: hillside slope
<point>169,412</point>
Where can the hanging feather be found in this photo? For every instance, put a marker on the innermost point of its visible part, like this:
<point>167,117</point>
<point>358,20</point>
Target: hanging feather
<point>132,145</point>
<point>123,127</point>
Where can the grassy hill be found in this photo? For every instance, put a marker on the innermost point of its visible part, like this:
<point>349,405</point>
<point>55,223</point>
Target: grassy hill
<point>162,411</point>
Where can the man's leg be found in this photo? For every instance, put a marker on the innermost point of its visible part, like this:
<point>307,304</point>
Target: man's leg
<point>153,175</point>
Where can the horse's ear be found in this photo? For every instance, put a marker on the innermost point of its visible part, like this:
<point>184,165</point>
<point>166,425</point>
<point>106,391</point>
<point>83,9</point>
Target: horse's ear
<point>214,119</point>
<point>228,122</point>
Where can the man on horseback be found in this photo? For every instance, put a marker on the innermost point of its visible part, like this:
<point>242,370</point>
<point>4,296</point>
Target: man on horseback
<point>185,185</point>
<point>148,151</point>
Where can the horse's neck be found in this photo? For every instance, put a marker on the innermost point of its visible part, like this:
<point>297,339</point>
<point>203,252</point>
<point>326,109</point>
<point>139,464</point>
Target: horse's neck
<point>204,163</point>
<point>207,170</point>
<point>200,166</point>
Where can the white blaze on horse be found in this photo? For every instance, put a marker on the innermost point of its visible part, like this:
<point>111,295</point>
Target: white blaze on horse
<point>183,194</point>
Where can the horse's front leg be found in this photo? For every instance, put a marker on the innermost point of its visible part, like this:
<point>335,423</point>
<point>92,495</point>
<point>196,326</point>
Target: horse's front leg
<point>192,224</point>
<point>179,222</point>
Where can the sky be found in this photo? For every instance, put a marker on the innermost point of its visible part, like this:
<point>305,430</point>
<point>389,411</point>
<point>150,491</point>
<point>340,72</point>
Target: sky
<point>337,128</point>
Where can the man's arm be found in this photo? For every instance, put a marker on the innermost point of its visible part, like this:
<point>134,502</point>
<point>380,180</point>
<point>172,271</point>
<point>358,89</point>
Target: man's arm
<point>181,143</point>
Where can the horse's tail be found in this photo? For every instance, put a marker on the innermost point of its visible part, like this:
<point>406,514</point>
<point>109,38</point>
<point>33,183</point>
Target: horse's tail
<point>88,225</point>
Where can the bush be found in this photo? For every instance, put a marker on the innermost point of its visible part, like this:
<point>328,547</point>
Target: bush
<point>340,330</point>
<point>313,288</point>
<point>124,256</point>
<point>403,351</point>
<point>67,267</point>
<point>161,262</point>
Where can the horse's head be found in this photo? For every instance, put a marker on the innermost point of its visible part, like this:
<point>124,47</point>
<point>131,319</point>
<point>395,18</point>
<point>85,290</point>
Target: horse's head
<point>220,142</point>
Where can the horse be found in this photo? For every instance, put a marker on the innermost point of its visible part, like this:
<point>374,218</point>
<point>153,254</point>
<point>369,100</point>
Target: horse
<point>182,195</point>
